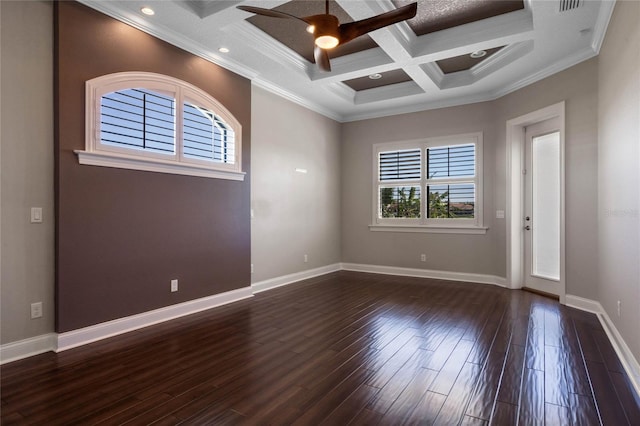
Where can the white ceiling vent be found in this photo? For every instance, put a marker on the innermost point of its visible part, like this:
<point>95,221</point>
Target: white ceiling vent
<point>566,5</point>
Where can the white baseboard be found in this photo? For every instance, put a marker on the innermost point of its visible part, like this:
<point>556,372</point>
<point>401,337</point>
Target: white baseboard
<point>583,304</point>
<point>72,339</point>
<point>47,342</point>
<point>427,273</point>
<point>292,278</point>
<point>629,362</point>
<point>28,347</point>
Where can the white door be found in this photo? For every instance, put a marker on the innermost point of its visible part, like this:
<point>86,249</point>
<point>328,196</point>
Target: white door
<point>541,221</point>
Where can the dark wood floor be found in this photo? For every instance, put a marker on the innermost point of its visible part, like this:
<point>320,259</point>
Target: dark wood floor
<point>346,348</point>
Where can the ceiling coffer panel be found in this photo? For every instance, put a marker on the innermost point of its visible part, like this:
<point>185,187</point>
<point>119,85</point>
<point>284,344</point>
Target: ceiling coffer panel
<point>378,80</point>
<point>465,62</point>
<point>437,15</point>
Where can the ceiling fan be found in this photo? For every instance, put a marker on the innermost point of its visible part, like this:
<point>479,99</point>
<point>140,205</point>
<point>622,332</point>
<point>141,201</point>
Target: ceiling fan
<point>329,32</point>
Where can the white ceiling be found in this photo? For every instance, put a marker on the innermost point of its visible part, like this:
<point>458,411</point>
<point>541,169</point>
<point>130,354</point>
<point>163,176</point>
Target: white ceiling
<point>540,41</point>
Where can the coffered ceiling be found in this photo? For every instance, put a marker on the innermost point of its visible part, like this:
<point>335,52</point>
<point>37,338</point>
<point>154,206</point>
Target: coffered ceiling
<point>419,64</point>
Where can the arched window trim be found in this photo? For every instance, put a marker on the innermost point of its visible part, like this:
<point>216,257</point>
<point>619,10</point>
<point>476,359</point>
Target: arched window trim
<point>99,154</point>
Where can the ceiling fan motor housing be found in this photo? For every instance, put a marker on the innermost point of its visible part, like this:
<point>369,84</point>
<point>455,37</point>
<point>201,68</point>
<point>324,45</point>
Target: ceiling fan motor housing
<point>326,30</point>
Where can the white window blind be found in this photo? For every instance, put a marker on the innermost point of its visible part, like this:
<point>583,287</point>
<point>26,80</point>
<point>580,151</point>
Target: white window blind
<point>451,182</point>
<point>399,175</point>
<point>138,119</point>
<point>152,122</point>
<point>206,136</point>
<point>435,182</point>
<point>397,165</point>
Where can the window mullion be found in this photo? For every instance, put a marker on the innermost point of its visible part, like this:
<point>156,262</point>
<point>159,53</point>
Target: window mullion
<point>179,124</point>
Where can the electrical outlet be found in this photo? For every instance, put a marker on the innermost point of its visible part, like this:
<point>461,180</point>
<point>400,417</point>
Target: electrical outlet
<point>619,306</point>
<point>423,257</point>
<point>36,310</point>
<point>306,258</point>
<point>174,286</point>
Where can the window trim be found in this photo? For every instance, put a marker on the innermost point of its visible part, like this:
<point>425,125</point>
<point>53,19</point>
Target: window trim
<point>424,224</point>
<point>98,154</point>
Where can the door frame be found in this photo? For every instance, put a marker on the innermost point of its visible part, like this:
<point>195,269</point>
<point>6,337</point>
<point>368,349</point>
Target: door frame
<point>515,148</point>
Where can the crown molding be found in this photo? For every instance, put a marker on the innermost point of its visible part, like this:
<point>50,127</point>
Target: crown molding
<point>600,28</point>
<point>562,65</point>
<point>277,90</point>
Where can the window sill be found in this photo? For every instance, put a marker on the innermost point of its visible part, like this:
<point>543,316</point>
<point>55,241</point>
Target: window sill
<point>478,230</point>
<point>121,161</point>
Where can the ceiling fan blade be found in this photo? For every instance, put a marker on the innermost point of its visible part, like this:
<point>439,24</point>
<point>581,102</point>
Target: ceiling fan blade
<point>351,30</point>
<point>322,58</point>
<point>268,12</point>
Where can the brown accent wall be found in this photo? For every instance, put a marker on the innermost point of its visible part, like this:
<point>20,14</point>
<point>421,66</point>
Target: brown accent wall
<point>122,235</point>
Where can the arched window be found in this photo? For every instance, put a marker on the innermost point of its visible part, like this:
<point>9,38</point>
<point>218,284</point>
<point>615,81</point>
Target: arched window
<point>152,122</point>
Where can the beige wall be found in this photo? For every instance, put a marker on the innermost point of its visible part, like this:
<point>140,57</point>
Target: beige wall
<point>578,87</point>
<point>473,253</point>
<point>294,213</point>
<point>481,254</point>
<point>619,172</point>
<point>27,167</point>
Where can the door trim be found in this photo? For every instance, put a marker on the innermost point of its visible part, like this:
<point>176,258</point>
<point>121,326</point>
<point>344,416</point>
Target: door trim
<point>514,200</point>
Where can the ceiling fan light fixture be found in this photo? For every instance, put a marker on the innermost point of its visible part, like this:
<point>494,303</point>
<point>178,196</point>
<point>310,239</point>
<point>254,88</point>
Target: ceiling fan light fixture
<point>327,42</point>
<point>325,28</point>
<point>311,29</point>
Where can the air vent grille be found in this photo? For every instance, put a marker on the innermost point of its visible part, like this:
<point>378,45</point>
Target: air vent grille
<point>566,5</point>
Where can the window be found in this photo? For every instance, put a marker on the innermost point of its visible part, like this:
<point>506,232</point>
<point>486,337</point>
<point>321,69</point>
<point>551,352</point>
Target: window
<point>432,185</point>
<point>147,121</point>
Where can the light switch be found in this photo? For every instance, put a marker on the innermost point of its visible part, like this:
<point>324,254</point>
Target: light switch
<point>36,214</point>
<point>499,214</point>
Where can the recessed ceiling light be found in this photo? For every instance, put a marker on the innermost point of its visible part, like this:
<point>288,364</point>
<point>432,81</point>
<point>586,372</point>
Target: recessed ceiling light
<point>478,54</point>
<point>223,50</point>
<point>376,76</point>
<point>147,11</point>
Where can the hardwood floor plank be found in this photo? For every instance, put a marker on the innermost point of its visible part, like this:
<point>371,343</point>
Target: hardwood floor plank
<point>396,385</point>
<point>504,414</point>
<point>344,348</point>
<point>352,406</point>
<point>556,373</point>
<point>556,414</point>
<point>509,391</point>
<point>486,338</point>
<point>473,421</point>
<point>449,372</point>
<point>629,400</point>
<point>583,410</point>
<point>456,403</point>
<point>445,349</point>
<point>410,397</point>
<point>484,396</point>
<point>532,398</point>
<point>534,352</point>
<point>317,412</point>
<point>607,352</point>
<point>610,408</point>
<point>427,409</point>
<point>366,417</point>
